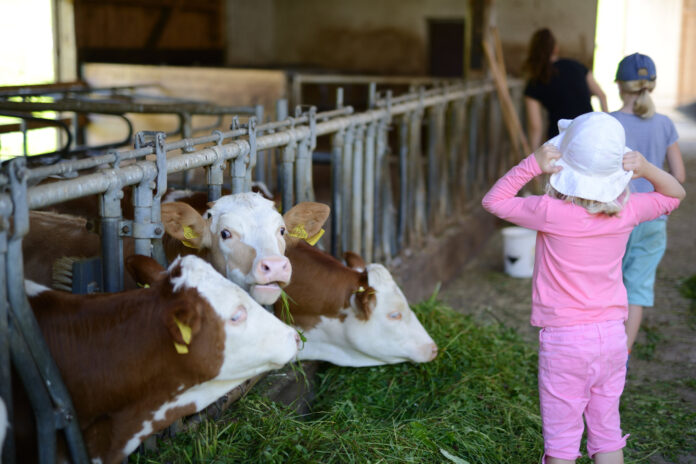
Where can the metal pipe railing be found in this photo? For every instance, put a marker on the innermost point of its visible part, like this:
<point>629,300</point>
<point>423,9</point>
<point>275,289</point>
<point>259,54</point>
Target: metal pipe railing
<point>387,192</point>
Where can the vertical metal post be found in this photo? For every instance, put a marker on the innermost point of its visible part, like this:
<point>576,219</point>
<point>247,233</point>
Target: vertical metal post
<point>111,229</point>
<point>402,231</point>
<point>347,184</point>
<point>7,452</point>
<point>336,192</point>
<point>281,115</point>
<point>369,192</point>
<point>252,157</point>
<point>215,172</point>
<point>185,124</point>
<point>472,165</point>
<point>260,166</point>
<point>433,171</point>
<point>287,174</point>
<point>357,190</point>
<point>23,325</point>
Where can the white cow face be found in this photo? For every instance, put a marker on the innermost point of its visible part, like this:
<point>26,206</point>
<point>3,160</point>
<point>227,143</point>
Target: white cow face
<point>244,237</point>
<point>255,340</point>
<point>386,333</point>
<point>247,244</point>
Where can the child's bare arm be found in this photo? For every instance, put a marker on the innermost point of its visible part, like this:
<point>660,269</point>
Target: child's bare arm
<point>546,156</point>
<point>675,162</point>
<point>664,182</point>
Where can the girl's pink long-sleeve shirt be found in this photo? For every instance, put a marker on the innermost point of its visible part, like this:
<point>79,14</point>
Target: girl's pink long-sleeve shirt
<point>577,269</point>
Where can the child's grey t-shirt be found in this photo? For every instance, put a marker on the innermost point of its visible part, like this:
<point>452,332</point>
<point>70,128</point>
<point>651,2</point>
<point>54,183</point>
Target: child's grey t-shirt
<point>651,137</point>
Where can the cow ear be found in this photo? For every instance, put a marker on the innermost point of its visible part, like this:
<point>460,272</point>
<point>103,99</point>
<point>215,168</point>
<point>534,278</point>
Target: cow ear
<point>354,261</point>
<point>185,224</point>
<point>183,322</point>
<point>144,270</point>
<point>364,298</point>
<point>305,221</point>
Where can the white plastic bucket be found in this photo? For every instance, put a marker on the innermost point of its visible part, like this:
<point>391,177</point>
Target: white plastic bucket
<point>518,251</point>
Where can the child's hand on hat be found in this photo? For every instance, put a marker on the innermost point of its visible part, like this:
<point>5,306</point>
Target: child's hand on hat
<point>546,156</point>
<point>636,162</point>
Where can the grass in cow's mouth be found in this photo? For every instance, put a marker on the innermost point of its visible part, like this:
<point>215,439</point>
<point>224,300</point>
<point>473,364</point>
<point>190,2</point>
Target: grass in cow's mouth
<point>476,403</point>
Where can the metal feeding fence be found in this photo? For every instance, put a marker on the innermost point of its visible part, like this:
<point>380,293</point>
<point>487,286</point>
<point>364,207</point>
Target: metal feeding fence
<point>399,171</point>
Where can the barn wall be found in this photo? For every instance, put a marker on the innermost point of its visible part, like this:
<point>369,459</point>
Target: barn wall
<point>390,36</point>
<point>368,36</point>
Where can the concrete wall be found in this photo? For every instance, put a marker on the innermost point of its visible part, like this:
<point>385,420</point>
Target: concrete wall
<point>389,36</point>
<point>367,36</point>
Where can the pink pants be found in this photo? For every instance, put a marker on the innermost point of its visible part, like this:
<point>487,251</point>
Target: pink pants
<point>582,370</point>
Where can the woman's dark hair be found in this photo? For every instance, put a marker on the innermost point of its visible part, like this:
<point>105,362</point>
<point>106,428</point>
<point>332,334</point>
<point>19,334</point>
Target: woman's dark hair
<point>538,64</point>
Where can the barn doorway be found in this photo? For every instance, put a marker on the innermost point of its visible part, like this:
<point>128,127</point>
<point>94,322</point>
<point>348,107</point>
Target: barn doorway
<point>446,47</point>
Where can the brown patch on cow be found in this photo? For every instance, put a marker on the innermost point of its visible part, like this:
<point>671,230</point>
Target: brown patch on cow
<point>185,224</point>
<point>365,296</point>
<point>354,261</point>
<point>117,356</point>
<point>241,256</point>
<point>321,286</point>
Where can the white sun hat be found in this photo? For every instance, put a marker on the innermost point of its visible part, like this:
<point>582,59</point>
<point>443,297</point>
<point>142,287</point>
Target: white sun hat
<point>592,145</point>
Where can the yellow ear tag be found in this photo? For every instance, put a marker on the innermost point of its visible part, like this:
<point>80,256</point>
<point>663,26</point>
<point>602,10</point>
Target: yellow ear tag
<point>185,334</point>
<point>360,289</point>
<point>189,234</point>
<point>143,285</point>
<point>313,240</point>
<point>299,232</point>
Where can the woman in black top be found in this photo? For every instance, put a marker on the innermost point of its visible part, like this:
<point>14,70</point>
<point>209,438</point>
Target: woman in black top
<point>563,86</point>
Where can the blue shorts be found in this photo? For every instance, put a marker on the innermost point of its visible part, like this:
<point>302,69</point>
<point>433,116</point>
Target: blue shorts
<point>644,250</point>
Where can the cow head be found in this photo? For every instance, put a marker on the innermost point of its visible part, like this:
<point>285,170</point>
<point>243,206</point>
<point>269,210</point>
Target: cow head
<point>254,340</point>
<point>377,327</point>
<point>245,238</point>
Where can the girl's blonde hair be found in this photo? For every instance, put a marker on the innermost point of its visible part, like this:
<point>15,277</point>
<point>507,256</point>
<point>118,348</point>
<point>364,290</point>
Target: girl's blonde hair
<point>643,107</point>
<point>610,208</point>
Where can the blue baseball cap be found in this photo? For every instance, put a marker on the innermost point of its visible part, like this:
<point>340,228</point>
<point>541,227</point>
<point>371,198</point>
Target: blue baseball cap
<point>636,67</point>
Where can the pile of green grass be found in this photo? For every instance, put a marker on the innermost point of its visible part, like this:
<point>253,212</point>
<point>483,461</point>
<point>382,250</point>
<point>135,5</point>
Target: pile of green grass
<point>476,403</point>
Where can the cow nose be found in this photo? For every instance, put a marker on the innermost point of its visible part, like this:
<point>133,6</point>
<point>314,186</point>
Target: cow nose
<point>433,351</point>
<point>273,269</point>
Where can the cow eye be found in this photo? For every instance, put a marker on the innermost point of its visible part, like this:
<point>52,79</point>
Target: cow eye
<point>239,315</point>
<point>225,234</point>
<point>396,315</point>
<point>282,231</point>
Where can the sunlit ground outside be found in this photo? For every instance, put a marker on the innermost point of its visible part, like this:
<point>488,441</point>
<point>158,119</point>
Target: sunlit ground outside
<point>26,57</point>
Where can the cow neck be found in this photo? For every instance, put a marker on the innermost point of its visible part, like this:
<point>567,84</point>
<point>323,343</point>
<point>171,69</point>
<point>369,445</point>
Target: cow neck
<point>321,286</point>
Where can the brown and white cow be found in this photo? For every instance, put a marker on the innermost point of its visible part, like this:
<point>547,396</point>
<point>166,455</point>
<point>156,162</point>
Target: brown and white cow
<point>353,315</point>
<point>136,361</point>
<point>240,234</point>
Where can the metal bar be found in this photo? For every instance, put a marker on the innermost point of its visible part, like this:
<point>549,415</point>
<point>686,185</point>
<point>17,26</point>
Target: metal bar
<point>7,452</point>
<point>347,184</point>
<point>369,193</point>
<point>402,229</point>
<point>336,192</point>
<point>356,197</point>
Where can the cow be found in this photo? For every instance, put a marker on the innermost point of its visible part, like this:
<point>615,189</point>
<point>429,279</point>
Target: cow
<point>135,361</point>
<point>240,234</point>
<point>354,315</point>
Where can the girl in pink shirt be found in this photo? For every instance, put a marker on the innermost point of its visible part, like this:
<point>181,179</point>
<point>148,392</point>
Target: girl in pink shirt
<point>578,297</point>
